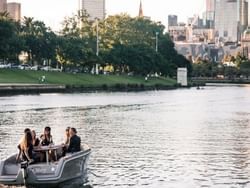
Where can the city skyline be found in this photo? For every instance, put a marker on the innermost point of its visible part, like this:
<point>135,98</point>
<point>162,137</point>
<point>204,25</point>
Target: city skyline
<point>157,10</point>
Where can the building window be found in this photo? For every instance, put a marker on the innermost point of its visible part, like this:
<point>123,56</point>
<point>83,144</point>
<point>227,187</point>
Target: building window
<point>225,34</point>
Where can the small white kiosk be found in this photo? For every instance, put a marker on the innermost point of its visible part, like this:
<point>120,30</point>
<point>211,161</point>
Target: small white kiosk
<point>182,76</point>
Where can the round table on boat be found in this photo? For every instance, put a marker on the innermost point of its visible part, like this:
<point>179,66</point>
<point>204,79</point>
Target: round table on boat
<point>46,149</point>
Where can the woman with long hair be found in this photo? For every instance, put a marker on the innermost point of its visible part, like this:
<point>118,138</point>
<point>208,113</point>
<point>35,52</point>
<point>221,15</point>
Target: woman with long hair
<point>35,140</point>
<point>46,138</point>
<point>26,148</point>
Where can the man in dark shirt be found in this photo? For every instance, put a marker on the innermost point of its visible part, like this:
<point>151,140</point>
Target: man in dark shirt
<point>75,141</point>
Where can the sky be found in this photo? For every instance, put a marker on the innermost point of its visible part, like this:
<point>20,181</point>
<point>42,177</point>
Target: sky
<point>52,12</point>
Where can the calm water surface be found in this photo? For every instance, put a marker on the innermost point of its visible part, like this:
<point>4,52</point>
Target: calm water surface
<point>180,138</point>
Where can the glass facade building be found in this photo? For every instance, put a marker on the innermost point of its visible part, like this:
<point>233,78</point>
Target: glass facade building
<point>95,8</point>
<point>231,18</point>
<point>172,20</point>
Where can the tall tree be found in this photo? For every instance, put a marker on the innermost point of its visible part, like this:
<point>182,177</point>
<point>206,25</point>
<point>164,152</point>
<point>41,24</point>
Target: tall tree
<point>40,40</point>
<point>10,41</point>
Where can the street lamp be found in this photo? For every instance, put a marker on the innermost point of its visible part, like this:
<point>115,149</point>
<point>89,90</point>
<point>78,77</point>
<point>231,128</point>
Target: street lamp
<point>97,37</point>
<point>97,45</point>
<point>156,41</point>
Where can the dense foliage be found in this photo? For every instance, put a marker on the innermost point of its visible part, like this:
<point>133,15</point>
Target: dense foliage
<point>240,68</point>
<point>126,43</point>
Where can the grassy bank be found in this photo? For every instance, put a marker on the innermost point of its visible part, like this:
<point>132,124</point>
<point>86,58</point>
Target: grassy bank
<point>80,80</point>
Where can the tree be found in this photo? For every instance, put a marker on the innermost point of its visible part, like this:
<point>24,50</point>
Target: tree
<point>245,68</point>
<point>123,32</point>
<point>40,41</point>
<point>78,41</point>
<point>124,42</point>
<point>10,39</point>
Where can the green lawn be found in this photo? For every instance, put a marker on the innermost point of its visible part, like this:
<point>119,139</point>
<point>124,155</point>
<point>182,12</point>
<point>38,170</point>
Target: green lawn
<point>32,77</point>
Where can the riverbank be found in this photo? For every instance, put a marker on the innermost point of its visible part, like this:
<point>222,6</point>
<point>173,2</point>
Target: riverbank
<point>220,81</point>
<point>29,82</point>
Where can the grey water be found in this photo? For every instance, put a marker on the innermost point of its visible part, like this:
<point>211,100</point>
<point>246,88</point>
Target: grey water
<point>177,138</point>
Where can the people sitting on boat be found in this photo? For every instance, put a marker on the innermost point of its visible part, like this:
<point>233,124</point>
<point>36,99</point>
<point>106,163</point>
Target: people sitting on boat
<point>75,141</point>
<point>26,148</point>
<point>46,138</point>
<point>35,140</point>
<point>21,141</point>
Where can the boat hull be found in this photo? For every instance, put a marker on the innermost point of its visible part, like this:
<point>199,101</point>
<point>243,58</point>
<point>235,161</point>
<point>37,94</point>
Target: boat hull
<point>71,168</point>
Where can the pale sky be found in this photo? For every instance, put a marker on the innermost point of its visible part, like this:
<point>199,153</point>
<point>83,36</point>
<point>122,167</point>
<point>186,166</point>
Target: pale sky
<point>52,12</point>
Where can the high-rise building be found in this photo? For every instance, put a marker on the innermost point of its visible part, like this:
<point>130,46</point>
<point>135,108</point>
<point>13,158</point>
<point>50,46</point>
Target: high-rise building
<point>244,13</point>
<point>210,5</point>
<point>172,20</point>
<point>3,5</point>
<point>208,15</point>
<point>14,10</point>
<point>95,8</point>
<point>231,17</point>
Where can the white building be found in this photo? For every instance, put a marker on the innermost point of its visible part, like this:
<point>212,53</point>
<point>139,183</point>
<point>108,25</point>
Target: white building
<point>95,8</point>
<point>182,76</point>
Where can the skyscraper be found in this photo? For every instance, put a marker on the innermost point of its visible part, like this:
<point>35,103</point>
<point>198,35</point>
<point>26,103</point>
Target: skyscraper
<point>172,20</point>
<point>244,13</point>
<point>208,15</point>
<point>95,8</point>
<point>14,10</point>
<point>231,17</point>
<point>3,5</point>
<point>210,5</point>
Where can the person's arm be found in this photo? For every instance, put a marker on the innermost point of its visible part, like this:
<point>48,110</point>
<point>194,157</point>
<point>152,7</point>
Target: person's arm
<point>18,156</point>
<point>51,140</point>
<point>19,153</point>
<point>41,139</point>
<point>79,144</point>
<point>26,152</point>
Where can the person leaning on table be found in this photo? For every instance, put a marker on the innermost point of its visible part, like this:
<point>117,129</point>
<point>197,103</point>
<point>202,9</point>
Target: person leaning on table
<point>26,149</point>
<point>74,142</point>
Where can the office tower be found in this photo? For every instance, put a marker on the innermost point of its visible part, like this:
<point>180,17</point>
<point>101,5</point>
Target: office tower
<point>3,5</point>
<point>95,8</point>
<point>244,13</point>
<point>208,15</point>
<point>14,10</point>
<point>231,17</point>
<point>210,5</point>
<point>172,20</point>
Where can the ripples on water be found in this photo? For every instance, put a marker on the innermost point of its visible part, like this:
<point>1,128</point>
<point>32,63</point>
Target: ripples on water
<point>182,138</point>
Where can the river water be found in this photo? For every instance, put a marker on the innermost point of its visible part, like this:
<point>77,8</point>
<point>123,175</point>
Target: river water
<point>178,138</point>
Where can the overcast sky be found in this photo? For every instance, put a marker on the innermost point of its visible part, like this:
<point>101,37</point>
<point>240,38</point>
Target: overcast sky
<point>52,12</point>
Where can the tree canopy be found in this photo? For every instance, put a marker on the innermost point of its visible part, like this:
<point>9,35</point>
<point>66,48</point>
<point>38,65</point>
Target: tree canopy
<point>126,43</point>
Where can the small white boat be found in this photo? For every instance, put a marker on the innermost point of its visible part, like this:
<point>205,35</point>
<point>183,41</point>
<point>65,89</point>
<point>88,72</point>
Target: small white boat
<point>72,167</point>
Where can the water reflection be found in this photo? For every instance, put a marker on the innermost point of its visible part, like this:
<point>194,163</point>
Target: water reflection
<point>182,138</point>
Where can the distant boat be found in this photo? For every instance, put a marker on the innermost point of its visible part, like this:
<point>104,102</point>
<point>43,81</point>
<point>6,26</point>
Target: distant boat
<point>69,168</point>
